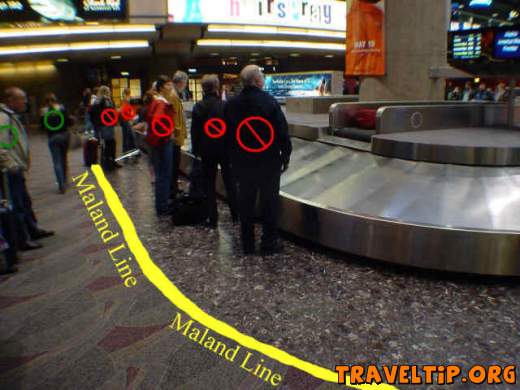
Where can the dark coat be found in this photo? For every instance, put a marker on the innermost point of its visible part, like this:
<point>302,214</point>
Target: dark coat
<point>253,102</point>
<point>201,144</point>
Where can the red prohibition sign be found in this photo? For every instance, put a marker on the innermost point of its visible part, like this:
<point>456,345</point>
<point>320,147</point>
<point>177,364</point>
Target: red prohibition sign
<point>215,128</point>
<point>128,112</point>
<point>246,123</point>
<point>109,117</point>
<point>162,126</point>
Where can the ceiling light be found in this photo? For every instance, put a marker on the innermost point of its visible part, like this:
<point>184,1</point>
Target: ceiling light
<point>192,70</point>
<point>26,69</point>
<point>115,57</point>
<point>294,55</point>
<point>255,54</point>
<point>62,60</point>
<point>329,56</point>
<point>75,46</point>
<point>125,74</point>
<point>214,54</point>
<point>323,46</point>
<point>76,30</point>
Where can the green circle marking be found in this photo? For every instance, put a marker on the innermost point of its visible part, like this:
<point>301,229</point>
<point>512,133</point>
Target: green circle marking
<point>16,136</point>
<point>46,118</point>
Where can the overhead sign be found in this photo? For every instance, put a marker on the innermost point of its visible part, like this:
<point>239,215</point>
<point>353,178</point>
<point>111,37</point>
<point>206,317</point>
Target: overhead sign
<point>467,46</point>
<point>318,14</point>
<point>365,38</point>
<point>507,44</point>
<point>61,10</point>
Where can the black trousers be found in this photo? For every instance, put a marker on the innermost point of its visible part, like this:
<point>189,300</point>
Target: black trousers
<point>108,153</point>
<point>176,161</point>
<point>210,166</point>
<point>266,184</point>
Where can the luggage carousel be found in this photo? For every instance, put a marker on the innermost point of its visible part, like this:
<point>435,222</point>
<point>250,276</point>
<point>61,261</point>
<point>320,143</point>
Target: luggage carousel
<point>437,216</point>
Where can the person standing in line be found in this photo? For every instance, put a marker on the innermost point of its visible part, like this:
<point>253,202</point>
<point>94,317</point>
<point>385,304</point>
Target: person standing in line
<point>161,148</point>
<point>56,121</point>
<point>126,126</point>
<point>213,152</point>
<point>468,93</point>
<point>14,157</point>
<point>454,94</point>
<point>106,133</point>
<point>483,94</point>
<point>180,81</point>
<point>86,107</point>
<point>258,173</point>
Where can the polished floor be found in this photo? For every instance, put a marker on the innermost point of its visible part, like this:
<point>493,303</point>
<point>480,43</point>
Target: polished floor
<point>67,322</point>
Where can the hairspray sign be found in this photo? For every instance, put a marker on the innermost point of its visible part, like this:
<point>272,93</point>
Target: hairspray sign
<point>320,14</point>
<point>365,54</point>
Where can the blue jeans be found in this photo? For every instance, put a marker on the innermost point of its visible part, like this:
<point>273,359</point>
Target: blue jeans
<point>162,157</point>
<point>22,205</point>
<point>59,145</point>
<point>128,137</point>
<point>88,122</point>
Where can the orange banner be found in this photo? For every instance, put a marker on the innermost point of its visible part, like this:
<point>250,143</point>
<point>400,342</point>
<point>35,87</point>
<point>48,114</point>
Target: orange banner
<point>365,38</point>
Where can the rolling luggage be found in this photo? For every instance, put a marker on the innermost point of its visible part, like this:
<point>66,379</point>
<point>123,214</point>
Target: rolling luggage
<point>90,151</point>
<point>189,210</point>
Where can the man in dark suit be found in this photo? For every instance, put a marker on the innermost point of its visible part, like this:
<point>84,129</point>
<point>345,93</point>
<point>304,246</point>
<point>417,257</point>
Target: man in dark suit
<point>261,150</point>
<point>213,150</point>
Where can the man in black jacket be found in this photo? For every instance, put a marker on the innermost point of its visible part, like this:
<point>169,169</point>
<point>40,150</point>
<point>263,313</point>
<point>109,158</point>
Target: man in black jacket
<point>213,148</point>
<point>261,149</point>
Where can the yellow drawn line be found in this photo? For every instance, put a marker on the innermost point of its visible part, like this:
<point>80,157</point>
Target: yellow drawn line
<point>170,291</point>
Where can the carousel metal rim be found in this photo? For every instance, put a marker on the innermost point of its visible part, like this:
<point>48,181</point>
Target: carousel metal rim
<point>424,246</point>
<point>446,154</point>
<point>458,251</point>
<point>396,221</point>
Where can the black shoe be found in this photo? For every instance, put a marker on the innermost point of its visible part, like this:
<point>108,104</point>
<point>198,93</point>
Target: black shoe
<point>210,224</point>
<point>271,249</point>
<point>30,245</point>
<point>9,270</point>
<point>248,249</point>
<point>40,233</point>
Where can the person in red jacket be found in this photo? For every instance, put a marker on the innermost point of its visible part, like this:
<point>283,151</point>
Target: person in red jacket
<point>161,143</point>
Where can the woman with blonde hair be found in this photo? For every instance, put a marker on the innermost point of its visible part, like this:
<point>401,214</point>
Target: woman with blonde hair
<point>106,133</point>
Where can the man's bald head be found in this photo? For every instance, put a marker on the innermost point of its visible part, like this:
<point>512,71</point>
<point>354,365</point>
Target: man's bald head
<point>15,99</point>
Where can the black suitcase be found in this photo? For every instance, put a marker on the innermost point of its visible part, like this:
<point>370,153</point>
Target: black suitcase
<point>90,151</point>
<point>189,210</point>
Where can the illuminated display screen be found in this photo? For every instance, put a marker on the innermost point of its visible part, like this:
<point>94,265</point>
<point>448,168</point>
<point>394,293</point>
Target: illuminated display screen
<point>285,85</point>
<point>61,10</point>
<point>507,44</point>
<point>467,46</point>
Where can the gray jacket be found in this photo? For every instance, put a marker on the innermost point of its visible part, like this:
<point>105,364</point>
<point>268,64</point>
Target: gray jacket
<point>16,157</point>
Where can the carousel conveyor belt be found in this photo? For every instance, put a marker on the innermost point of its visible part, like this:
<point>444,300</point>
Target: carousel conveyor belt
<point>437,216</point>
